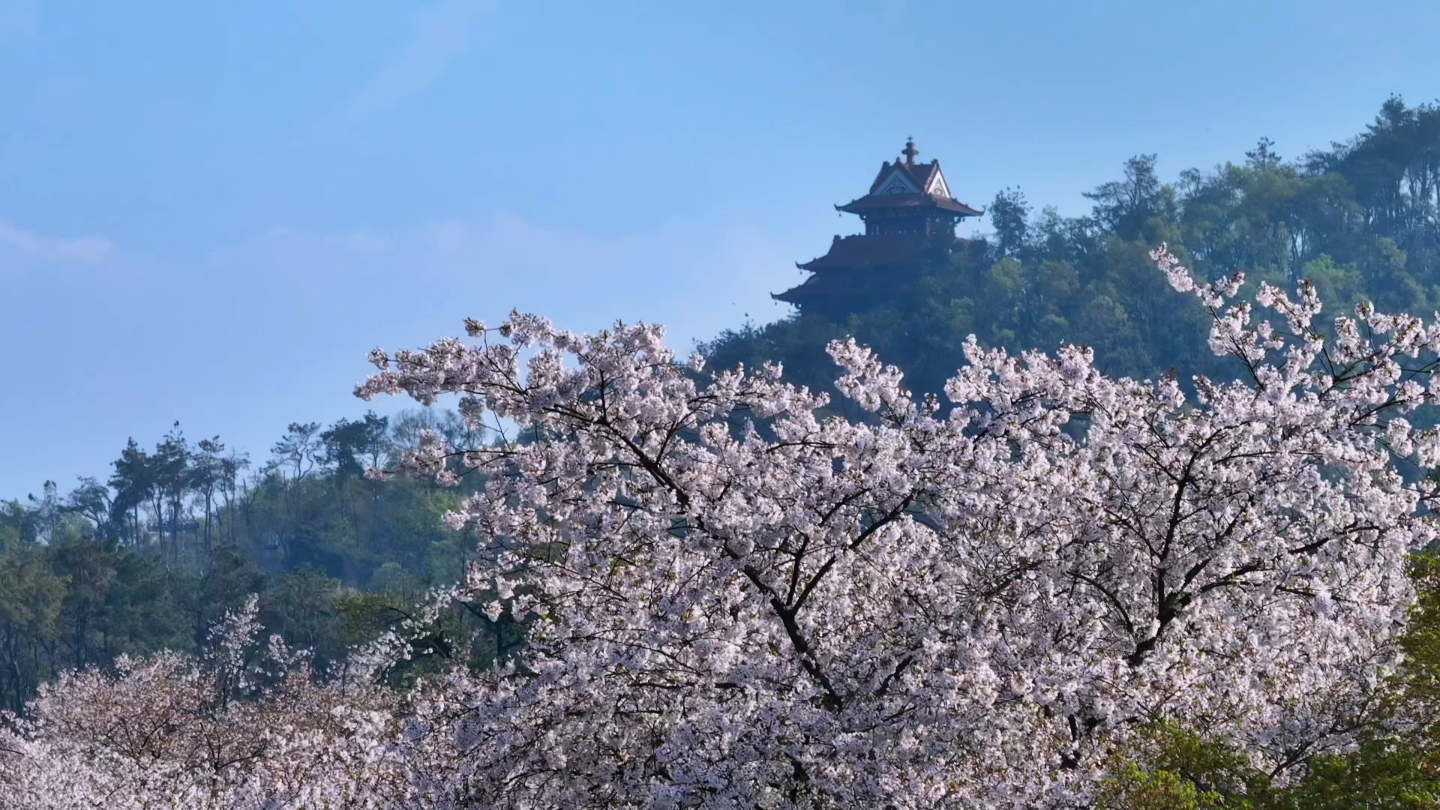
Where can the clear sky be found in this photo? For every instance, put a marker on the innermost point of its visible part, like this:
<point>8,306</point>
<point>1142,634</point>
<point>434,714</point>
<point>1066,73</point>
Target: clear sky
<point>210,211</point>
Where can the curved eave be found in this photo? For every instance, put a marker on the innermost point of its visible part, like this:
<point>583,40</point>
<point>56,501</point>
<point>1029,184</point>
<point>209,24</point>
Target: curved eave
<point>792,300</point>
<point>867,204</point>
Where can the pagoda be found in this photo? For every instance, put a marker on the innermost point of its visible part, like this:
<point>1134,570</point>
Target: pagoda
<point>909,218</point>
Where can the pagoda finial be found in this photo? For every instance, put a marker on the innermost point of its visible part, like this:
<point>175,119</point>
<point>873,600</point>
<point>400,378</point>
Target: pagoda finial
<point>910,151</point>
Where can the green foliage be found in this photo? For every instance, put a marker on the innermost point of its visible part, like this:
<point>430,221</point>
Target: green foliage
<point>1169,766</point>
<point>30,605</point>
<point>1175,768</point>
<point>1381,775</point>
<point>1133,788</point>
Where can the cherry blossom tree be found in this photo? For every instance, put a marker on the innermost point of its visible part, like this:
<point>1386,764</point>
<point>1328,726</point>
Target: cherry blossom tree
<point>738,601</point>
<point>734,599</point>
<point>224,731</point>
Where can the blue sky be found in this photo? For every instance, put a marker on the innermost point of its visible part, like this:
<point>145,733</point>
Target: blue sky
<point>210,211</point>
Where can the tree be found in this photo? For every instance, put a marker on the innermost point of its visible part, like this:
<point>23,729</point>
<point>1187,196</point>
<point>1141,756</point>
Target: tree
<point>1010,214</point>
<point>171,468</point>
<point>298,450</point>
<point>47,513</point>
<point>1263,156</point>
<point>207,478</point>
<point>1126,207</point>
<point>349,447</point>
<point>228,476</point>
<point>91,500</point>
<point>133,481</point>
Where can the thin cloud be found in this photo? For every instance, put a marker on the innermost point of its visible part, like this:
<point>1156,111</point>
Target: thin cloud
<point>82,249</point>
<point>696,277</point>
<point>439,33</point>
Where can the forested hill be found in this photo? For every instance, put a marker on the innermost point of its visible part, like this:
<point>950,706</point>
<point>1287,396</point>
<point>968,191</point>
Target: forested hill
<point>148,556</point>
<point>1361,220</point>
<point>182,532</point>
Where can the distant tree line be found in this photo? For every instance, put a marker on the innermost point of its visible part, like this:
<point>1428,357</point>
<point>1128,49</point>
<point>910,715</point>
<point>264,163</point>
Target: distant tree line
<point>152,557</point>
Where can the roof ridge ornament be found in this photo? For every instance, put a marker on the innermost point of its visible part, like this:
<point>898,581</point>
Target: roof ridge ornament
<point>910,152</point>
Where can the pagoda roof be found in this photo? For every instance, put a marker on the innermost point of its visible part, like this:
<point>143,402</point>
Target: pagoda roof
<point>921,174</point>
<point>867,252</point>
<point>878,202</point>
<point>906,184</point>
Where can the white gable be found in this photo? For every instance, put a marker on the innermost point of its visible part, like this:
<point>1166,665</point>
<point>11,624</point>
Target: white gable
<point>897,183</point>
<point>937,186</point>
